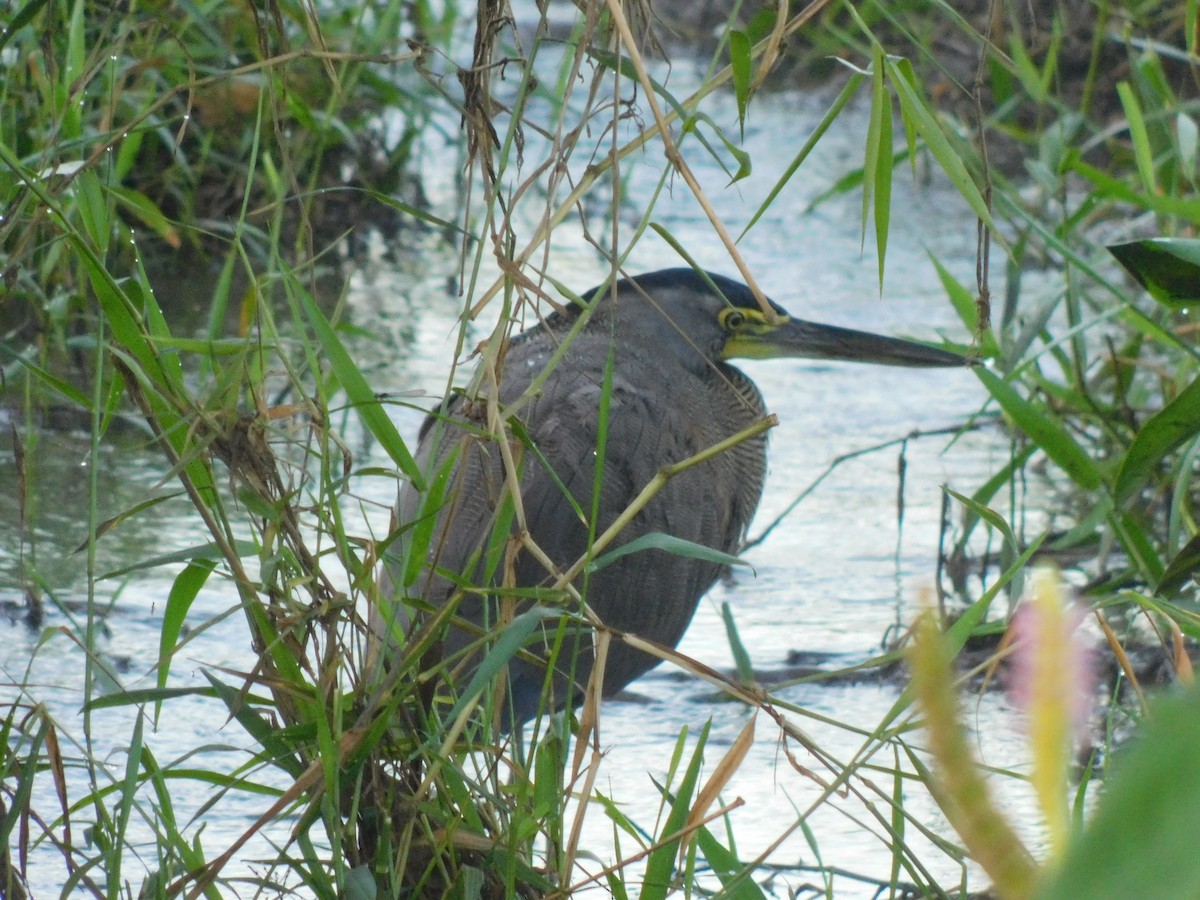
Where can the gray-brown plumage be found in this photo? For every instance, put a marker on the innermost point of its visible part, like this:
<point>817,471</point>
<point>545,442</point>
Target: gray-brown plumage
<point>672,395</point>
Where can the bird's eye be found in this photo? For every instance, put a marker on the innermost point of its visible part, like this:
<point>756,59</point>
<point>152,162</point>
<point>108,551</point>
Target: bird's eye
<point>733,320</point>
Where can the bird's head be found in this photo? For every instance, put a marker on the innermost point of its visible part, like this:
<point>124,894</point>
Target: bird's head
<point>719,319</point>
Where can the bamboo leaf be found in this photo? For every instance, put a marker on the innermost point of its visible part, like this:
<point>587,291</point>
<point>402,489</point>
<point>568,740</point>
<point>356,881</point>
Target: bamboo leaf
<point>1168,268</point>
<point>628,70</point>
<point>735,876</point>
<point>871,155</point>
<point>916,112</point>
<point>657,540</point>
<point>1175,423</point>
<point>744,161</point>
<point>835,109</point>
<point>1142,154</point>
<point>963,302</point>
<point>660,865</point>
<point>741,656</point>
<point>186,586</point>
<point>1110,188</point>
<point>359,393</point>
<point>740,60</point>
<point>883,182</point>
<point>1044,430</point>
<point>507,645</point>
<point>148,213</point>
<point>244,549</point>
<point>1180,569</point>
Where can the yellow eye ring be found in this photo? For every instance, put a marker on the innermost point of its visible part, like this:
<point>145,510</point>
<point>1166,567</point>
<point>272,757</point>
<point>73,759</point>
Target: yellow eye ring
<point>732,319</point>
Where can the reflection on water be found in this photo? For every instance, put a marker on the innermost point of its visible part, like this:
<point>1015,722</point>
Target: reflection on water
<point>834,577</point>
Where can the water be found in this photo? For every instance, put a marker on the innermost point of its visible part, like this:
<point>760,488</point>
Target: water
<point>834,578</point>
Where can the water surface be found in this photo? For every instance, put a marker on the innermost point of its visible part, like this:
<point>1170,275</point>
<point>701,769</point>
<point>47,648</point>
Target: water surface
<point>837,576</point>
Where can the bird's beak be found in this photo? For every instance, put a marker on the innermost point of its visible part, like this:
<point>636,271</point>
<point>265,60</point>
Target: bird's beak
<point>810,340</point>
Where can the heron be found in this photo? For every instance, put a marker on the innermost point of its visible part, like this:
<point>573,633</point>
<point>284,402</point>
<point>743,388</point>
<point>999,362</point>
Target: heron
<point>605,394</point>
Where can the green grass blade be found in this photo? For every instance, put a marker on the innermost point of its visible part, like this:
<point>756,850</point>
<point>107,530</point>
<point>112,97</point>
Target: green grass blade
<point>844,96</point>
<point>879,98</point>
<point>126,802</point>
<point>964,304</point>
<point>741,656</point>
<point>741,61</point>
<point>915,110</point>
<point>658,540</point>
<point>183,591</point>
<point>245,550</point>
<point>1142,154</point>
<point>1173,425</point>
<point>1044,429</point>
<point>1180,569</point>
<point>507,645</point>
<point>884,164</point>
<point>359,393</point>
<point>736,882</point>
<point>660,866</point>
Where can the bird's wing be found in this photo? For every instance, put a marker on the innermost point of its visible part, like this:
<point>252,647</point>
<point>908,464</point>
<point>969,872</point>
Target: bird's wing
<point>650,423</point>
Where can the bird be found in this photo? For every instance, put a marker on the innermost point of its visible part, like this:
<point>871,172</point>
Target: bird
<point>606,394</point>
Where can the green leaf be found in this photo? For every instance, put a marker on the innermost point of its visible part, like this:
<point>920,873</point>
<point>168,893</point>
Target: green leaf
<point>125,804</point>
<point>1162,433</point>
<point>963,302</point>
<point>883,175</point>
<point>506,646</point>
<point>433,498</point>
<point>245,549</point>
<point>1142,840</point>
<point>140,696</point>
<point>160,379</point>
<point>660,866</point>
<point>1179,571</point>
<point>360,884</point>
<point>20,776</point>
<point>743,158</point>
<point>1026,69</point>
<point>916,112</point>
<point>409,210</point>
<point>1142,154</point>
<point>1113,189</point>
<point>1043,429</point>
<point>146,211</point>
<point>736,880</point>
<point>275,745</point>
<point>53,382</point>
<point>93,209</point>
<point>19,20</point>
<point>184,590</point>
<point>1168,268</point>
<point>548,766</point>
<point>628,70</point>
<point>983,494</point>
<point>879,97</point>
<point>741,657</point>
<point>359,393</point>
<point>740,61</point>
<point>657,540</point>
<point>989,515</point>
<point>124,516</point>
<point>828,119</point>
